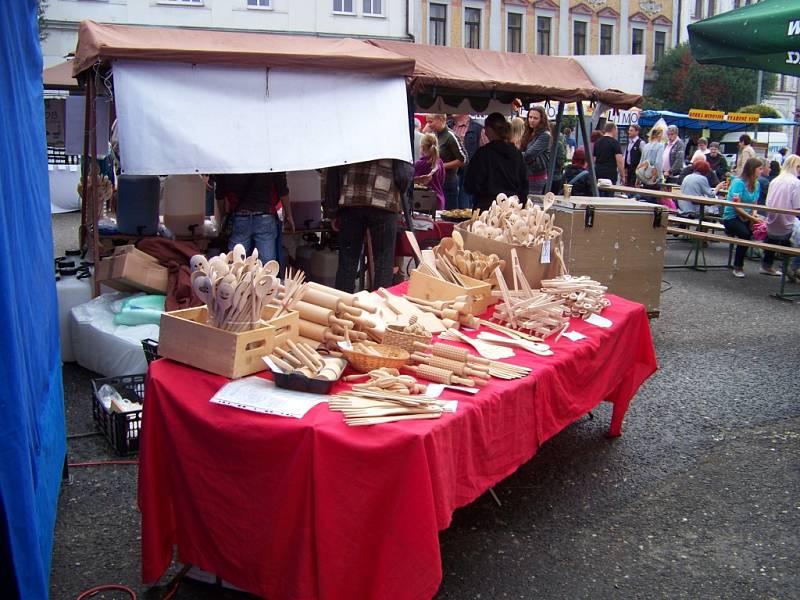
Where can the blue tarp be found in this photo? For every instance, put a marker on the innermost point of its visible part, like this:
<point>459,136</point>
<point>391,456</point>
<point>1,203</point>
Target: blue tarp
<point>648,118</point>
<point>32,437</point>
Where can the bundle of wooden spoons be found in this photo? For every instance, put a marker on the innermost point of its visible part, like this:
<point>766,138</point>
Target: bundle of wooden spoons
<point>235,288</point>
<point>371,407</point>
<point>582,295</point>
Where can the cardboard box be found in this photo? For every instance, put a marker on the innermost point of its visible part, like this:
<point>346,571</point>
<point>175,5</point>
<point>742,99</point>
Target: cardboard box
<point>130,271</point>
<point>427,287</point>
<point>621,244</point>
<point>186,337</point>
<point>530,258</point>
<point>131,249</point>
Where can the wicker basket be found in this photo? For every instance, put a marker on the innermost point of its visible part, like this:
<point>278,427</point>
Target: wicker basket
<point>395,336</point>
<point>391,357</point>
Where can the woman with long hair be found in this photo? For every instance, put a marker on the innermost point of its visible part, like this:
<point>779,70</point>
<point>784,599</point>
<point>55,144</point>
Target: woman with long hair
<point>738,221</point>
<point>784,192</point>
<point>536,148</point>
<point>496,167</point>
<point>653,153</point>
<point>517,131</point>
<point>429,169</point>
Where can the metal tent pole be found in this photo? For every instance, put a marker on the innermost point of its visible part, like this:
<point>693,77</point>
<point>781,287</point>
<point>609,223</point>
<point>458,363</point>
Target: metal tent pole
<point>587,145</point>
<point>553,145</point>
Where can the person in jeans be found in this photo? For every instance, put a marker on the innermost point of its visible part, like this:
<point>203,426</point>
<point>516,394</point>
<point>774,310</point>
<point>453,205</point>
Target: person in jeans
<point>453,155</point>
<point>370,197</point>
<point>739,221</point>
<point>253,199</point>
<point>784,192</point>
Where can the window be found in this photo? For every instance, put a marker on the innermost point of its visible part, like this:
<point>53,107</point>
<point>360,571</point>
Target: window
<point>373,8</point>
<point>579,37</point>
<point>472,28</point>
<point>711,8</point>
<point>258,3</point>
<point>606,39</point>
<point>637,41</point>
<point>437,28</point>
<point>343,6</point>
<point>543,35</point>
<point>189,2</point>
<point>698,9</point>
<point>514,33</point>
<point>659,46</point>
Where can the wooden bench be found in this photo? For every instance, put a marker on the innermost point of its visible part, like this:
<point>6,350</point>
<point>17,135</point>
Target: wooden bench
<point>696,223</point>
<point>784,251</point>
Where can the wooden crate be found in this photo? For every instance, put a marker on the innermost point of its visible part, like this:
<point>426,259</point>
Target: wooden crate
<point>530,258</point>
<point>620,243</point>
<point>427,287</point>
<point>185,337</point>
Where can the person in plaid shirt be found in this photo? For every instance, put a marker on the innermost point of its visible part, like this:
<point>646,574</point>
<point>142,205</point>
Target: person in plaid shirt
<point>370,198</point>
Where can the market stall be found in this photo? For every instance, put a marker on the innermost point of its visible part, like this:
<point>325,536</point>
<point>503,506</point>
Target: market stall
<point>311,508</point>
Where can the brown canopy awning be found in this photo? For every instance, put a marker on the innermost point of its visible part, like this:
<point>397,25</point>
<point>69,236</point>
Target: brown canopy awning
<point>59,77</point>
<point>441,70</point>
<point>100,43</point>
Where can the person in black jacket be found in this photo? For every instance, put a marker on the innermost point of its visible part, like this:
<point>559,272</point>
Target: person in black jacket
<point>632,155</point>
<point>497,167</point>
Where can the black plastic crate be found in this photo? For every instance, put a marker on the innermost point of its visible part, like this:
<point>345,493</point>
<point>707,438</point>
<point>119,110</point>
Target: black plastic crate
<point>121,429</point>
<point>150,348</point>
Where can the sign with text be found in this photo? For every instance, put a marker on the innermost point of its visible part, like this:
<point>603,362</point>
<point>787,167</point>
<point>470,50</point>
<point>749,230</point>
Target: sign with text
<point>54,121</point>
<point>706,115</point>
<point>743,117</point>
<point>624,117</point>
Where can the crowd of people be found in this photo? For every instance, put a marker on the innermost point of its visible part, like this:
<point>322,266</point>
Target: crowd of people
<point>512,156</point>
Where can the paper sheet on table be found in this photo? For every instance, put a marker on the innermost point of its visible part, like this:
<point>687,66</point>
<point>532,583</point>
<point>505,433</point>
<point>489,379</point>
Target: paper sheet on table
<point>261,395</point>
<point>598,321</point>
<point>574,336</point>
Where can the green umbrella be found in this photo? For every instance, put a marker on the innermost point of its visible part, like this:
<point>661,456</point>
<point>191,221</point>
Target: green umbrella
<point>762,36</point>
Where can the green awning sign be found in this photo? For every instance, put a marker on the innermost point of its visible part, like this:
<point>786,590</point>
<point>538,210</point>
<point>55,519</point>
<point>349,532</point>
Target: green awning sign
<point>762,36</point>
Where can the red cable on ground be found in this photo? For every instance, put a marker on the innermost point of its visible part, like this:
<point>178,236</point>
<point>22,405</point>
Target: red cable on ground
<point>101,588</point>
<point>97,463</point>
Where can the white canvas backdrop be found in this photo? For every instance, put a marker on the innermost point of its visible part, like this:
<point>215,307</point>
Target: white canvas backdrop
<point>176,118</point>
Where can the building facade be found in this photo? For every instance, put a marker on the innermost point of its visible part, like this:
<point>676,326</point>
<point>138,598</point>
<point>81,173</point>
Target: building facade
<point>354,18</point>
<point>565,27</point>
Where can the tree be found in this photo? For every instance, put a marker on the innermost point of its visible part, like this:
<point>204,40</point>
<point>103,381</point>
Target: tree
<point>763,110</point>
<point>683,83</point>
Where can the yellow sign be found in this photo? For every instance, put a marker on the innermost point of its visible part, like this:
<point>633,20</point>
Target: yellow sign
<point>706,115</point>
<point>743,117</point>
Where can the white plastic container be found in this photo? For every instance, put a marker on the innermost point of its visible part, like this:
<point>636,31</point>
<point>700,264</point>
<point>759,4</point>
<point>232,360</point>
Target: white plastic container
<point>323,265</point>
<point>71,292</point>
<point>185,204</point>
<point>306,194</point>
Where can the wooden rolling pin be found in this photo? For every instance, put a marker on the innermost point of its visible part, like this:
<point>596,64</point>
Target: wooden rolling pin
<point>318,332</point>
<point>459,368</point>
<point>348,299</point>
<point>438,375</point>
<point>319,314</point>
<point>325,300</point>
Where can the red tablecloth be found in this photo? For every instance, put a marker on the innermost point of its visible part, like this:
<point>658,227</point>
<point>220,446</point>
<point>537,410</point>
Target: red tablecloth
<point>311,508</point>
